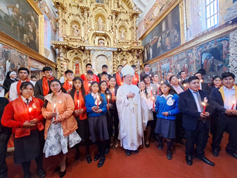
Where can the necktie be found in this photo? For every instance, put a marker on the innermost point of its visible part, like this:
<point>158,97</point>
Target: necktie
<point>200,104</point>
<point>27,101</point>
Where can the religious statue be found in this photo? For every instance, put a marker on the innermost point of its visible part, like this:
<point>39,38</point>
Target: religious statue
<point>122,34</point>
<point>75,30</point>
<point>100,24</point>
<point>101,43</point>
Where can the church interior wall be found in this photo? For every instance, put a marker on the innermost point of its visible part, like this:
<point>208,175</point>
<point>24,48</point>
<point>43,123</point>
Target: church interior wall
<point>211,49</point>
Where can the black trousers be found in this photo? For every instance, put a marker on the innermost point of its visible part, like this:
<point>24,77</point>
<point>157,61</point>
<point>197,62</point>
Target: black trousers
<point>3,152</point>
<point>113,123</point>
<point>198,137</point>
<point>179,127</point>
<point>222,124</point>
<point>26,165</point>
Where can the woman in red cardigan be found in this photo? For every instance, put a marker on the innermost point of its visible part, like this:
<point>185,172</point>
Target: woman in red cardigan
<point>23,115</point>
<point>78,94</point>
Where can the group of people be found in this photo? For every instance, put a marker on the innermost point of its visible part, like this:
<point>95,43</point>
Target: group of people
<point>49,117</point>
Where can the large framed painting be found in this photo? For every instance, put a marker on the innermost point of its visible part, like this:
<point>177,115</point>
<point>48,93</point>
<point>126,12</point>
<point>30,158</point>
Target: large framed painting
<point>20,20</point>
<point>213,57</point>
<point>164,37</point>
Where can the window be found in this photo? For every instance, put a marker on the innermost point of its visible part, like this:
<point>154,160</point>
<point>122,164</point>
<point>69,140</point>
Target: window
<point>212,9</point>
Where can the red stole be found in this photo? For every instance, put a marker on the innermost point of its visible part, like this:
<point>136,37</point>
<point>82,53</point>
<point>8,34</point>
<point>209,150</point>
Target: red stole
<point>67,86</point>
<point>45,85</point>
<point>19,85</point>
<point>135,79</point>
<point>81,105</point>
<point>118,79</point>
<point>86,86</point>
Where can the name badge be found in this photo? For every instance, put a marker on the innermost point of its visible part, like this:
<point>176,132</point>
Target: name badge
<point>170,102</point>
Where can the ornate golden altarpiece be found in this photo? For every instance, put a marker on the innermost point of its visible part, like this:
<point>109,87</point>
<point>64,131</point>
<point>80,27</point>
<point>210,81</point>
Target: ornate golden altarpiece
<point>98,32</point>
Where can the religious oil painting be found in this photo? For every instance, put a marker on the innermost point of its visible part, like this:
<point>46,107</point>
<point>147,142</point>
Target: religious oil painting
<point>19,20</point>
<point>213,57</point>
<point>10,60</point>
<point>164,37</point>
<point>184,62</point>
<point>164,67</point>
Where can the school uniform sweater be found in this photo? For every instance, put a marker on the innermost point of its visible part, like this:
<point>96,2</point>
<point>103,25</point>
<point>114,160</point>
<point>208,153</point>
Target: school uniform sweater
<point>161,106</point>
<point>90,102</point>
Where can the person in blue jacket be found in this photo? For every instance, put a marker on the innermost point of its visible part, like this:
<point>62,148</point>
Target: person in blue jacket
<point>166,108</point>
<point>96,109</point>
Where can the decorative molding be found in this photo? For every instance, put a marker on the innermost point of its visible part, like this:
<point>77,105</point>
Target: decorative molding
<point>9,41</point>
<point>216,33</point>
<point>162,16</point>
<point>100,48</point>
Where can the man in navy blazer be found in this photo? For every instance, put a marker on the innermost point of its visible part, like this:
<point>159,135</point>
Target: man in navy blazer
<point>224,99</point>
<point>195,122</point>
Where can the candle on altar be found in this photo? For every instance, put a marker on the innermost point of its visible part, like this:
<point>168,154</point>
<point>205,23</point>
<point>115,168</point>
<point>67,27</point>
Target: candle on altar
<point>78,103</point>
<point>185,87</point>
<point>204,107</point>
<point>232,108</point>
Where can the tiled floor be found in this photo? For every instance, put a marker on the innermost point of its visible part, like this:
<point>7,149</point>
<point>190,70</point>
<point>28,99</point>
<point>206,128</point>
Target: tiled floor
<point>149,162</point>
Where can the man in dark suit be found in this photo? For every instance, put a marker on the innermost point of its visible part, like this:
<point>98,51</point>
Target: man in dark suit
<point>195,122</point>
<point>146,72</point>
<point>224,99</point>
<point>203,86</point>
<point>104,69</point>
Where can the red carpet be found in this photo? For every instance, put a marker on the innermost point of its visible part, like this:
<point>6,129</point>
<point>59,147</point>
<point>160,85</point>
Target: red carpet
<point>149,162</point>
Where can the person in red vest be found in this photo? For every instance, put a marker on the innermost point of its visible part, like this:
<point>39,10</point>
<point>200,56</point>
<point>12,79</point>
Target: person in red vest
<point>119,76</point>
<point>68,84</point>
<point>24,116</point>
<point>136,77</point>
<point>87,82</point>
<point>95,77</point>
<point>42,85</point>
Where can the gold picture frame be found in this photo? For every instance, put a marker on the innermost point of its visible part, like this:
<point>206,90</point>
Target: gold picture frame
<point>17,45</point>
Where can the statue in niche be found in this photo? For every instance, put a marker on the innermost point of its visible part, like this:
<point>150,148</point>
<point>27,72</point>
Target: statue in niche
<point>100,24</point>
<point>101,43</point>
<point>122,34</point>
<point>75,31</point>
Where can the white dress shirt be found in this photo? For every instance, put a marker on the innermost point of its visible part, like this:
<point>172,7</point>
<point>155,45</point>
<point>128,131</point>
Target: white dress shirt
<point>229,97</point>
<point>196,99</point>
<point>13,91</point>
<point>25,101</point>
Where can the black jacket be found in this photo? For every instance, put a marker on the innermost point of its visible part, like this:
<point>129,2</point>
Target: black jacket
<point>205,87</point>
<point>38,90</point>
<point>188,107</point>
<point>7,83</point>
<point>3,103</point>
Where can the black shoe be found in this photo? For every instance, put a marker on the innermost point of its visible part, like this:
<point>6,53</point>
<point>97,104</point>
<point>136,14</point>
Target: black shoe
<point>128,152</point>
<point>136,151</point>
<point>232,153</point>
<point>107,151</point>
<point>88,158</point>
<point>77,156</point>
<point>215,152</point>
<point>41,173</point>
<point>169,155</point>
<point>147,145</point>
<point>101,162</point>
<point>27,175</point>
<point>160,146</point>
<point>97,157</point>
<point>62,174</point>
<point>189,160</point>
<point>205,160</point>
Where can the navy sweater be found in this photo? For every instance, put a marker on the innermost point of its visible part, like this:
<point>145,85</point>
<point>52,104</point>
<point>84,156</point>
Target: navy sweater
<point>90,102</point>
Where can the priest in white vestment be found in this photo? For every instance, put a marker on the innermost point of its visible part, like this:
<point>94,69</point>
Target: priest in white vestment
<point>129,112</point>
